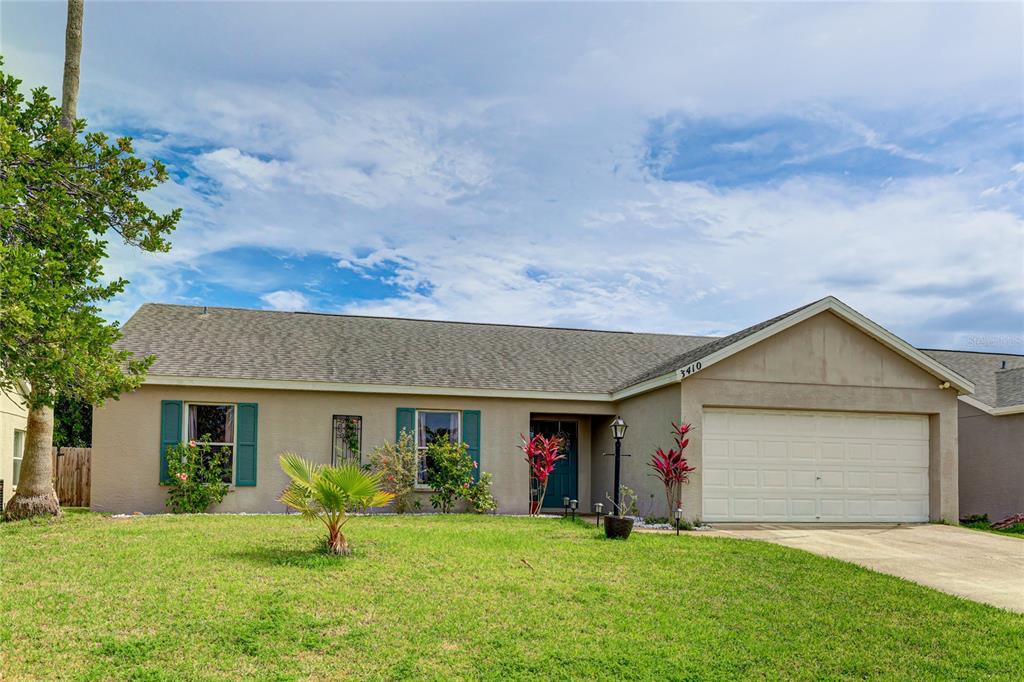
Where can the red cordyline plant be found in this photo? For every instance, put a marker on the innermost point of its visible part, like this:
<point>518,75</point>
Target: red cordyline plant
<point>541,454</point>
<point>671,468</point>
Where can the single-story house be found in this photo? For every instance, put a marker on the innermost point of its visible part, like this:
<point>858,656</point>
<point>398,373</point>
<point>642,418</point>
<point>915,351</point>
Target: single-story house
<point>991,432</point>
<point>818,414</point>
<point>13,417</point>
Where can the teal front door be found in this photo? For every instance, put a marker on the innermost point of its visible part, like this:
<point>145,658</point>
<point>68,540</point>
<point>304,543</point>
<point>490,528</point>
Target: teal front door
<point>563,481</point>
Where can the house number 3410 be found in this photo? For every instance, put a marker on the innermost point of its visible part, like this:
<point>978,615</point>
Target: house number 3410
<point>690,369</point>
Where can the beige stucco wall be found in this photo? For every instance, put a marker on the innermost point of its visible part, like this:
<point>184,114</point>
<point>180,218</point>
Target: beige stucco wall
<point>991,463</point>
<point>821,364</point>
<point>126,440</point>
<point>13,416</point>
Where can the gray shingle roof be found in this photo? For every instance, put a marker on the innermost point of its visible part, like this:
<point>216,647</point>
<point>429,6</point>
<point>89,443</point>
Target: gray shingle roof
<point>994,385</point>
<point>260,344</point>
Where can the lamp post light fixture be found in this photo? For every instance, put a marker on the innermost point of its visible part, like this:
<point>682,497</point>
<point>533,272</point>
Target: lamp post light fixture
<point>618,431</point>
<point>565,506</point>
<point>678,514</point>
<point>598,508</point>
<point>572,505</point>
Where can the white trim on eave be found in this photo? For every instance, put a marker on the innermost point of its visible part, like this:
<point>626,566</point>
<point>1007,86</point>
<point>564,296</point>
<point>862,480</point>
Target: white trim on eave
<point>994,411</point>
<point>290,385</point>
<point>845,312</point>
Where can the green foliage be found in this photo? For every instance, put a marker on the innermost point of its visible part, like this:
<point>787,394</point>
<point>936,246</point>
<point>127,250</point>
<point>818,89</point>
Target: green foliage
<point>396,463</point>
<point>451,472</point>
<point>61,192</point>
<point>627,502</point>
<point>479,496</point>
<point>197,474</point>
<point>72,423</point>
<point>330,494</point>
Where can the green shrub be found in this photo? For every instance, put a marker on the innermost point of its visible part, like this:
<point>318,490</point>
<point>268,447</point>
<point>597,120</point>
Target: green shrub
<point>196,474</point>
<point>396,464</point>
<point>451,472</point>
<point>479,495</point>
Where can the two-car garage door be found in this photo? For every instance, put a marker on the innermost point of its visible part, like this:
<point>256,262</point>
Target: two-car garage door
<point>783,465</point>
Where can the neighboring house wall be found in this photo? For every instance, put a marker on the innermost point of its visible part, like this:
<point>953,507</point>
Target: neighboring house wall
<point>126,440</point>
<point>13,416</point>
<point>822,364</point>
<point>991,463</point>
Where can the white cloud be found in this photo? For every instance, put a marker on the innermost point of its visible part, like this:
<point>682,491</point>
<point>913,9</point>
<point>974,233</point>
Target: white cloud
<point>286,300</point>
<point>491,165</point>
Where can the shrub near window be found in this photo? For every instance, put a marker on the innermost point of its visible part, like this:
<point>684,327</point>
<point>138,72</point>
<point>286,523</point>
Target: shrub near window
<point>396,464</point>
<point>479,495</point>
<point>451,472</point>
<point>196,474</point>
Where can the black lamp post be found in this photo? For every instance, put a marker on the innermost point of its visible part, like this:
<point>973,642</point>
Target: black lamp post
<point>679,518</point>
<point>565,506</point>
<point>618,431</point>
<point>598,508</point>
<point>572,505</point>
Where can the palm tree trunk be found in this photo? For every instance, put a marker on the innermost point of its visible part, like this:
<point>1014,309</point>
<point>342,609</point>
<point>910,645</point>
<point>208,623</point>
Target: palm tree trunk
<point>337,543</point>
<point>72,62</point>
<point>35,495</point>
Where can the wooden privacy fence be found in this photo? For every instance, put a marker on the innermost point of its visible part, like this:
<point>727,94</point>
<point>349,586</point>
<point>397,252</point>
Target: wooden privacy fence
<point>71,476</point>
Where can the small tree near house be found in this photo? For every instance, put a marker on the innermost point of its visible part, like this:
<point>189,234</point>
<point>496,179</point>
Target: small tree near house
<point>671,467</point>
<point>541,454</point>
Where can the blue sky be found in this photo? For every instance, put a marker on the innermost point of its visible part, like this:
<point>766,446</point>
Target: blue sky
<point>685,168</point>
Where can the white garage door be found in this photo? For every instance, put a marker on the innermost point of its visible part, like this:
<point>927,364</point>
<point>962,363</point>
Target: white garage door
<point>781,465</point>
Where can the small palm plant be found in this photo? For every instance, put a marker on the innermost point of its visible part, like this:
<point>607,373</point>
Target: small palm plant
<point>331,493</point>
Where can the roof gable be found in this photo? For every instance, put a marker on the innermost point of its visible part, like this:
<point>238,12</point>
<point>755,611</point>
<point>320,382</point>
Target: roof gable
<point>702,357</point>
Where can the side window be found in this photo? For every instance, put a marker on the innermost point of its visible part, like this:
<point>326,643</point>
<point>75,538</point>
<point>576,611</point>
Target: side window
<point>348,440</point>
<point>19,454</point>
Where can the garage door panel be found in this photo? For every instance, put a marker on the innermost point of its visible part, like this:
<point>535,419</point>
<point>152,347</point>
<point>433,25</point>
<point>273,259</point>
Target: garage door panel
<point>781,465</point>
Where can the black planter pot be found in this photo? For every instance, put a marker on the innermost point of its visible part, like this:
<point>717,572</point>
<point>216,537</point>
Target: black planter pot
<point>616,527</point>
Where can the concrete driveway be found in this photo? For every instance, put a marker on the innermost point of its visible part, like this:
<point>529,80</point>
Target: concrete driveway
<point>981,566</point>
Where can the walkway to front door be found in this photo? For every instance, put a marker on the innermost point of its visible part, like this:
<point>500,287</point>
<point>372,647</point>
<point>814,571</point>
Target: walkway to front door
<point>563,480</point>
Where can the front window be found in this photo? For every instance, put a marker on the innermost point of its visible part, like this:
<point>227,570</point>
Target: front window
<point>217,422</point>
<point>19,454</point>
<point>348,435</point>
<point>429,427</point>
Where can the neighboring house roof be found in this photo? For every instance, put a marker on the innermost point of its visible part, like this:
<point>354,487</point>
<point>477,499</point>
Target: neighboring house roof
<point>998,377</point>
<point>239,346</point>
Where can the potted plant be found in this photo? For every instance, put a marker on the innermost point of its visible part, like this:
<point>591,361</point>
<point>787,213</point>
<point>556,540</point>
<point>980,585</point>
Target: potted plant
<point>618,524</point>
<point>541,454</point>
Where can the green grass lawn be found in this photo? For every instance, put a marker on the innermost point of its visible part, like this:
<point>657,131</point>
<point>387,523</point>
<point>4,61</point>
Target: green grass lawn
<point>428,597</point>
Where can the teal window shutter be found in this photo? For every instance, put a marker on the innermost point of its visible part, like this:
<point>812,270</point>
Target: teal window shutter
<point>170,431</point>
<point>471,437</point>
<point>245,448</point>
<point>405,419</point>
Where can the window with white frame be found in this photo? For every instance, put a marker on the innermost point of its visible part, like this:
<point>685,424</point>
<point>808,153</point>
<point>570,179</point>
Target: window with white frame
<point>19,454</point>
<point>431,425</point>
<point>217,422</point>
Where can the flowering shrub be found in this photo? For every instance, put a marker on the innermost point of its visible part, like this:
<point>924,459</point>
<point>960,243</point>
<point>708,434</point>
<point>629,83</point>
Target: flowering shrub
<point>196,474</point>
<point>671,468</point>
<point>541,454</point>
<point>479,495</point>
<point>396,464</point>
<point>451,472</point>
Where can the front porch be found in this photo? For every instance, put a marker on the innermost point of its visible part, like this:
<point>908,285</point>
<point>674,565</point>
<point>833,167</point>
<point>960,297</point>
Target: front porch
<point>581,475</point>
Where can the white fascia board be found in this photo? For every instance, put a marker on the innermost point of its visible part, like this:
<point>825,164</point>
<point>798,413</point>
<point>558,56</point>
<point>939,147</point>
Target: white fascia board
<point>673,377</point>
<point>851,316</point>
<point>328,386</point>
<point>994,411</point>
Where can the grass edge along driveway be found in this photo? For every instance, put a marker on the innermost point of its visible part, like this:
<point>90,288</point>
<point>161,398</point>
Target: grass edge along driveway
<point>213,597</point>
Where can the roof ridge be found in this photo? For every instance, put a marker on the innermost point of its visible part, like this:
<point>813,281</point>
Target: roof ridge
<point>972,352</point>
<point>422,319</point>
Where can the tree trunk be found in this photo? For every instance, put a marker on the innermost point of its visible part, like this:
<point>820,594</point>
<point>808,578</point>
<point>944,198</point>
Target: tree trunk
<point>337,543</point>
<point>35,496</point>
<point>72,63</point>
